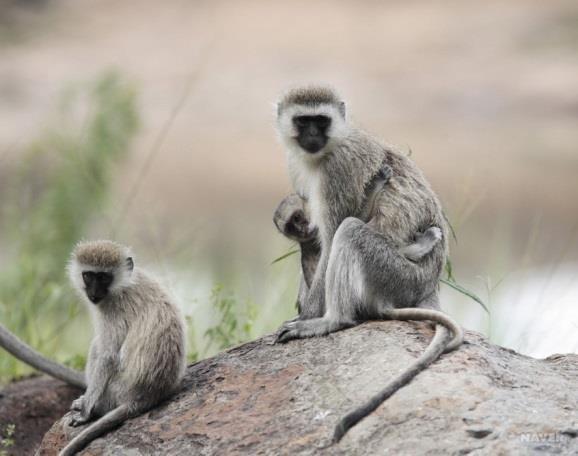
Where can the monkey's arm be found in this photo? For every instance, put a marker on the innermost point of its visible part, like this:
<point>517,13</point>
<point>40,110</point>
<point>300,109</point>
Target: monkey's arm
<point>373,189</point>
<point>310,253</point>
<point>346,202</point>
<point>315,304</point>
<point>28,355</point>
<point>100,367</point>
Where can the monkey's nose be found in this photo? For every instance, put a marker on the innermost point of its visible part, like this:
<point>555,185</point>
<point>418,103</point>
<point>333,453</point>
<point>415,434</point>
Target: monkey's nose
<point>313,144</point>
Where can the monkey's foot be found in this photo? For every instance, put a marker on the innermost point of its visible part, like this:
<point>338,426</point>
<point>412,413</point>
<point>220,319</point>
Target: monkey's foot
<point>432,234</point>
<point>77,404</point>
<point>290,330</point>
<point>77,419</point>
<point>302,329</point>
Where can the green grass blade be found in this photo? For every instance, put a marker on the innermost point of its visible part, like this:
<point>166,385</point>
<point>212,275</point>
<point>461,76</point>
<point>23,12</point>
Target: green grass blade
<point>286,255</point>
<point>466,292</point>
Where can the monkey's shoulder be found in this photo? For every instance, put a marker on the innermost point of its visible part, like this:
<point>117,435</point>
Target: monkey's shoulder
<point>407,204</point>
<point>401,165</point>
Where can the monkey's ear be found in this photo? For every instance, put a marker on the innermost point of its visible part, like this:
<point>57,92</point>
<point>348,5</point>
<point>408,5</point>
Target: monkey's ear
<point>130,263</point>
<point>279,109</point>
<point>341,106</point>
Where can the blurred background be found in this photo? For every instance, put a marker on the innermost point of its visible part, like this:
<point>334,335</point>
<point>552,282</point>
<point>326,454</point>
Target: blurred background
<point>152,123</point>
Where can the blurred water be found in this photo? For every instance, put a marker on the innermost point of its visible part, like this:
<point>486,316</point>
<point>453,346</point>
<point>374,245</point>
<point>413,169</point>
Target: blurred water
<point>536,311</point>
<point>533,311</point>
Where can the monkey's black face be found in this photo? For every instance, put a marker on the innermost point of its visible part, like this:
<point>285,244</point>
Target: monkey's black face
<point>96,285</point>
<point>312,132</point>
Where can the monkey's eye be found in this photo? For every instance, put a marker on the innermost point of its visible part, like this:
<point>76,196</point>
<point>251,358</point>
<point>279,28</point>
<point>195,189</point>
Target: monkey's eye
<point>104,278</point>
<point>323,121</point>
<point>85,275</point>
<point>297,218</point>
<point>300,121</point>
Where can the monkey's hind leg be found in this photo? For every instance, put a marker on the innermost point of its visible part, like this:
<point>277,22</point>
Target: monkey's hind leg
<point>344,291</point>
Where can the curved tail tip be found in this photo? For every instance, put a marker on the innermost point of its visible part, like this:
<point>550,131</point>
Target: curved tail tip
<point>455,342</point>
<point>338,434</point>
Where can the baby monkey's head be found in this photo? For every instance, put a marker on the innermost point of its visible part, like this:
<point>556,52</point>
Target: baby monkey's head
<point>98,269</point>
<point>291,220</point>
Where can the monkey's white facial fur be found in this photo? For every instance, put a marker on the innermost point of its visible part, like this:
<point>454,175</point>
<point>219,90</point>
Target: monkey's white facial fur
<point>99,269</point>
<point>310,119</point>
<point>292,135</point>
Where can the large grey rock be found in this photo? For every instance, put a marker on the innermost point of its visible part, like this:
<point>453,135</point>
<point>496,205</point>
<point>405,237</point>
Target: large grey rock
<point>266,399</point>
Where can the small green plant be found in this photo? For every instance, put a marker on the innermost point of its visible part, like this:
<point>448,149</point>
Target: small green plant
<point>451,282</point>
<point>235,320</point>
<point>285,255</point>
<point>76,361</point>
<point>7,439</point>
<point>192,351</point>
<point>63,180</point>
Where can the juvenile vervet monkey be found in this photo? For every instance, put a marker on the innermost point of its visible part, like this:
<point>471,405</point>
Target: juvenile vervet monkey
<point>361,273</point>
<point>137,355</point>
<point>292,220</point>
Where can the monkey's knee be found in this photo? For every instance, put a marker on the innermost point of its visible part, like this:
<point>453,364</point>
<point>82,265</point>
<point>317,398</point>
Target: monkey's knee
<point>347,229</point>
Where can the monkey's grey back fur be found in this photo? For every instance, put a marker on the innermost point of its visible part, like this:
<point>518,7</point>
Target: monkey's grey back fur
<point>405,207</point>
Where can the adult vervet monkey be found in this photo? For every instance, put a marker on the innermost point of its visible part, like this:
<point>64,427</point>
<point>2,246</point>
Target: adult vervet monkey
<point>361,274</point>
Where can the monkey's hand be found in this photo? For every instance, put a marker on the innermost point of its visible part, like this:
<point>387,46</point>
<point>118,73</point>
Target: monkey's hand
<point>78,419</point>
<point>77,404</point>
<point>384,174</point>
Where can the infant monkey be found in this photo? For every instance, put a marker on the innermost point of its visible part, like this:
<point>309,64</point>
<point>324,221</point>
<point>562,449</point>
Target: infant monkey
<point>137,356</point>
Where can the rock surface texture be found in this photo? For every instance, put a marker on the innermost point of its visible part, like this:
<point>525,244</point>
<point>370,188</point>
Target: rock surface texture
<point>31,406</point>
<point>268,399</point>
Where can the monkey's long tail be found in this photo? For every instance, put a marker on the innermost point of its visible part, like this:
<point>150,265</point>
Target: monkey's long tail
<point>112,419</point>
<point>440,343</point>
<point>28,355</point>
